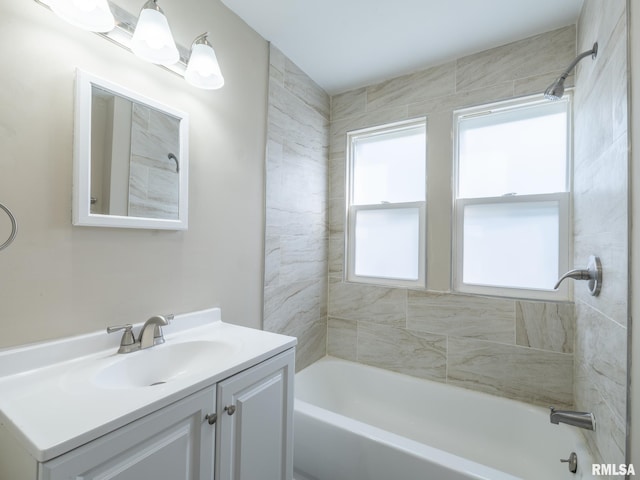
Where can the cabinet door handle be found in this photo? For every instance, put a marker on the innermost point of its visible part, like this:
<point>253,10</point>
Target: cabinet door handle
<point>211,418</point>
<point>230,409</point>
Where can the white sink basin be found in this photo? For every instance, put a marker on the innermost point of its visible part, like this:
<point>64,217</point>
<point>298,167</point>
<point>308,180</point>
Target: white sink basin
<point>162,364</point>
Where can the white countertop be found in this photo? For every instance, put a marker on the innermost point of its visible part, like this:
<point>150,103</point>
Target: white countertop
<point>51,402</point>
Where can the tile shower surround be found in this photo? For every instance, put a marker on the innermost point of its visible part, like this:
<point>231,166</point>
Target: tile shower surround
<point>296,235</point>
<point>517,349</point>
<point>601,198</point>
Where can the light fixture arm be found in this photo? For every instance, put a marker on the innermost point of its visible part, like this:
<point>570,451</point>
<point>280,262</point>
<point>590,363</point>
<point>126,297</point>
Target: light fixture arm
<point>123,32</point>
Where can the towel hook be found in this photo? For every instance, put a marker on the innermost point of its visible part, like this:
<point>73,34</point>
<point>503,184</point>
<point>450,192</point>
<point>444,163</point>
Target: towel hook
<point>593,273</point>
<point>14,227</point>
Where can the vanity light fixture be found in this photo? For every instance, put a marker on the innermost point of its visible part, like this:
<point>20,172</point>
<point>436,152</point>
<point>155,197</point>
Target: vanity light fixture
<point>152,39</point>
<point>149,37</point>
<point>92,15</point>
<point>203,70</point>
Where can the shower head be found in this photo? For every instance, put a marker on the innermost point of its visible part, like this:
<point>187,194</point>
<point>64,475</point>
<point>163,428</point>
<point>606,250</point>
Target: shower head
<point>556,89</point>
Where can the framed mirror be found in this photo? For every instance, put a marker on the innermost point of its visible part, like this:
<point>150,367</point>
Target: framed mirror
<point>131,159</point>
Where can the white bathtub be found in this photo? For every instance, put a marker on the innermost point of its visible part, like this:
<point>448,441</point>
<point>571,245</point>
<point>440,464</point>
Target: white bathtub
<point>354,422</point>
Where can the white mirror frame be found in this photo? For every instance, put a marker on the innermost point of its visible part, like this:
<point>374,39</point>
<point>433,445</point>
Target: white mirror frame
<point>82,215</point>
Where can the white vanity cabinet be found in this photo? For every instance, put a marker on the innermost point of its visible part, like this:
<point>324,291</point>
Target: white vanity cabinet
<point>253,432</point>
<point>214,402</point>
<point>174,443</point>
<point>255,422</point>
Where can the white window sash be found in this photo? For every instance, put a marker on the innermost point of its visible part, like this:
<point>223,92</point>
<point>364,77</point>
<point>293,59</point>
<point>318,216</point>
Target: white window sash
<point>350,246</point>
<point>565,291</point>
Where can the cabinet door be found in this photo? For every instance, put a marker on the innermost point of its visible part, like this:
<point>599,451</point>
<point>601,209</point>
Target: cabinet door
<point>174,443</point>
<point>255,411</point>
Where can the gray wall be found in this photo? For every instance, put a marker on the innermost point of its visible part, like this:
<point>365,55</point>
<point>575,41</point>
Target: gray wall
<point>517,349</point>
<point>58,280</point>
<point>601,225</point>
<point>296,210</point>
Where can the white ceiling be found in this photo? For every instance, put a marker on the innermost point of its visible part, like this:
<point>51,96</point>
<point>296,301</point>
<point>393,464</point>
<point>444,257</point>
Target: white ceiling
<point>344,44</point>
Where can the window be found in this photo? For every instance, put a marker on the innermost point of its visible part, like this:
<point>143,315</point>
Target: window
<point>512,198</point>
<point>386,204</point>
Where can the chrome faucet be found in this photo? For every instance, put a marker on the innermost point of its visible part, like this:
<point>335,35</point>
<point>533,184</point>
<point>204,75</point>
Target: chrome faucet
<point>150,334</point>
<point>577,419</point>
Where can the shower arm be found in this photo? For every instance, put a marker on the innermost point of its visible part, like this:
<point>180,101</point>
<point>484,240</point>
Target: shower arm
<point>593,52</point>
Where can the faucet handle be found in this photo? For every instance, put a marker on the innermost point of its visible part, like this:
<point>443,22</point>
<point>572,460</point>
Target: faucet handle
<point>128,340</point>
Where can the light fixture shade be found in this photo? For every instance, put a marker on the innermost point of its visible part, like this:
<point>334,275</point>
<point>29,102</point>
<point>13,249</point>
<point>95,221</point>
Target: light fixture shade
<point>152,39</point>
<point>203,70</point>
<point>92,15</point>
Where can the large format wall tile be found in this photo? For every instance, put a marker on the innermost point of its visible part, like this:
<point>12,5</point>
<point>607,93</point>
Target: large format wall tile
<point>538,54</point>
<point>462,316</point>
<point>535,376</point>
<point>546,326</point>
<point>412,353</point>
<point>367,303</point>
<point>386,323</point>
<point>296,230</point>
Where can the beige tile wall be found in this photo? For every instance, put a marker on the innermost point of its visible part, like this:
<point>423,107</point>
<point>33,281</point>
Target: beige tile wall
<point>601,224</point>
<point>296,235</point>
<point>517,349</point>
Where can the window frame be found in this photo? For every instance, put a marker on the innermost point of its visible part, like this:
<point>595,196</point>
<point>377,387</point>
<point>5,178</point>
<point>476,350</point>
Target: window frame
<point>564,199</point>
<point>351,210</point>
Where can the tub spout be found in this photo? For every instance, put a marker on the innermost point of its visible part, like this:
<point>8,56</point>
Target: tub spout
<point>577,419</point>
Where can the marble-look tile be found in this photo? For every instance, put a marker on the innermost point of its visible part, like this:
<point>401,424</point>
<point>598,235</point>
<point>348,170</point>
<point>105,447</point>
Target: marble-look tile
<point>312,343</point>
<point>546,326</point>
<point>411,353</point>
<point>412,88</point>
<point>271,260</point>
<point>276,65</point>
<point>302,257</point>
<point>464,99</point>
<point>461,315</point>
<point>381,116</point>
<point>304,88</point>
<point>607,442</point>
<point>546,52</point>
<point>292,306</point>
<point>348,104</point>
<point>601,349</point>
<point>342,336</point>
<point>367,303</point>
<point>337,215</point>
<point>336,254</point>
<point>337,175</point>
<point>534,376</point>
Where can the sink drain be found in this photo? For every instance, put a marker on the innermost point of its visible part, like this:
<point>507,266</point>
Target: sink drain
<point>156,383</point>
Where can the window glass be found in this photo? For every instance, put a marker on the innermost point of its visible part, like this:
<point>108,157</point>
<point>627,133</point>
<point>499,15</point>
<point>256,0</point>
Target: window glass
<point>386,208</point>
<point>511,210</point>
<point>519,151</point>
<point>389,167</point>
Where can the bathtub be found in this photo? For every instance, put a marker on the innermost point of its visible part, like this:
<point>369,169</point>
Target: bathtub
<point>355,422</point>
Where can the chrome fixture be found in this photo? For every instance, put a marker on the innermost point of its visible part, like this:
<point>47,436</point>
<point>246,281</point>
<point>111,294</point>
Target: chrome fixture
<point>150,334</point>
<point>584,420</point>
<point>14,227</point>
<point>148,36</point>
<point>572,461</point>
<point>593,273</point>
<point>171,156</point>
<point>556,89</point>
